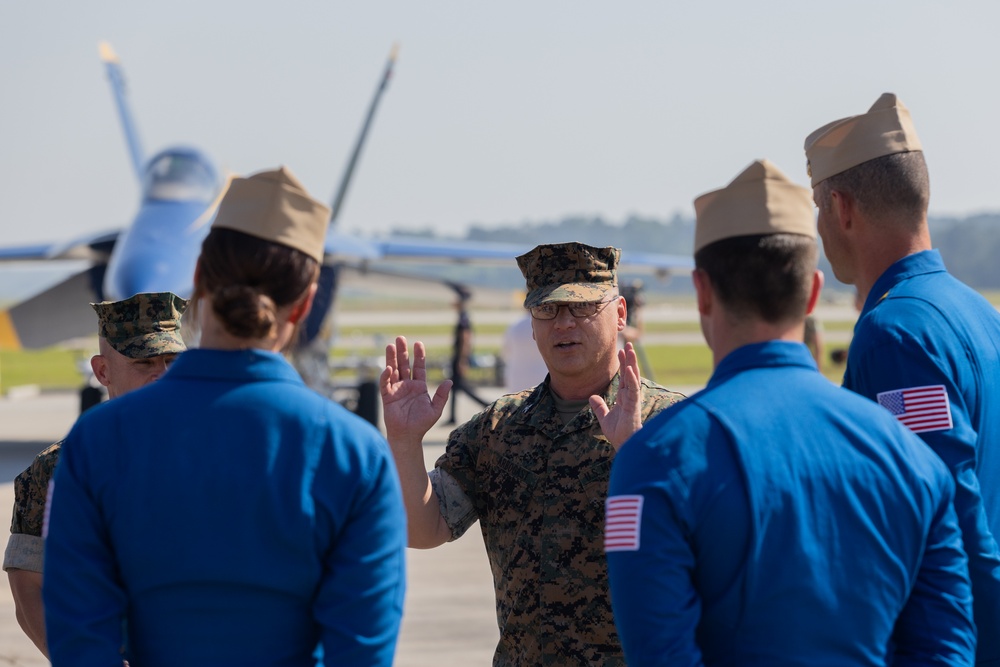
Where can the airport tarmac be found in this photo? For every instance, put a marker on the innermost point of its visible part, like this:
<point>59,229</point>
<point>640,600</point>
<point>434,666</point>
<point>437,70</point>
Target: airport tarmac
<point>449,617</point>
<point>353,327</point>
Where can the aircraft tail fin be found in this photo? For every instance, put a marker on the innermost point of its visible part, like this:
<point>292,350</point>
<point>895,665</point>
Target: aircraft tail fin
<point>117,79</point>
<point>28,325</point>
<point>325,296</point>
<point>338,200</point>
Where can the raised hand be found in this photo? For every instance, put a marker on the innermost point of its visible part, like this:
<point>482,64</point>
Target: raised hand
<point>408,409</point>
<point>623,418</point>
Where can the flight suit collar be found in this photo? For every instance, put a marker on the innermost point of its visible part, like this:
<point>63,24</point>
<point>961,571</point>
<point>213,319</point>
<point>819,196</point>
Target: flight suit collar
<point>927,261</point>
<point>233,365</point>
<point>756,355</point>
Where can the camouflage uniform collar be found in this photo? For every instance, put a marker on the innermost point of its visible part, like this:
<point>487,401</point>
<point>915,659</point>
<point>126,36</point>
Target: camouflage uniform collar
<point>539,411</point>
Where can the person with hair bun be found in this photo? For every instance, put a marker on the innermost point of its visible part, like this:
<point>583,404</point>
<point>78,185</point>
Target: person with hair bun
<point>233,516</point>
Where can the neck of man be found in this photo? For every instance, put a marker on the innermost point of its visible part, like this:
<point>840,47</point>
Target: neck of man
<point>730,334</point>
<point>884,245</point>
<point>581,388</point>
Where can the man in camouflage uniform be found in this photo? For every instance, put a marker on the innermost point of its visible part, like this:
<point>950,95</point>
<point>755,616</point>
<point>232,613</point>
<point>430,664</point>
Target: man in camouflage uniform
<point>139,338</point>
<point>533,467</point>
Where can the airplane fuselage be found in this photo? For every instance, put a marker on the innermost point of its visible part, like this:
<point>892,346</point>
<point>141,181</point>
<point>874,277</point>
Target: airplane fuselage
<point>158,251</point>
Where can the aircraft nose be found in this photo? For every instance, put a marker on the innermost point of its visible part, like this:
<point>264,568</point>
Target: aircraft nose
<point>146,272</point>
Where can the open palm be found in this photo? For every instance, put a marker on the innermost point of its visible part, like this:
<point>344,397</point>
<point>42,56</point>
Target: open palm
<point>408,409</point>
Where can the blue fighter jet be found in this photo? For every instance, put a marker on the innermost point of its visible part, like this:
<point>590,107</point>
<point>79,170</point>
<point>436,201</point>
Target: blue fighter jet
<point>157,252</point>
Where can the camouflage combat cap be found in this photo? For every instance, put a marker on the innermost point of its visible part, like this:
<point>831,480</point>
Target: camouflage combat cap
<point>569,272</point>
<point>142,326</point>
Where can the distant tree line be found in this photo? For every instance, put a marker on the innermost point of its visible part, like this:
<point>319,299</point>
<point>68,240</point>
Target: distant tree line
<point>970,246</point>
<point>675,236</point>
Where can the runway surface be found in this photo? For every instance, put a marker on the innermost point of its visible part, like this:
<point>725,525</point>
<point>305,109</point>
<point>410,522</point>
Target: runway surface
<point>449,616</point>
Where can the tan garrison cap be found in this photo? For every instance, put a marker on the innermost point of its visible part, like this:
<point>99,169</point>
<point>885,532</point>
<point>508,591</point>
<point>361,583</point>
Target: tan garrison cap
<point>885,130</point>
<point>761,200</point>
<point>142,326</point>
<point>274,206</point>
<point>568,272</point>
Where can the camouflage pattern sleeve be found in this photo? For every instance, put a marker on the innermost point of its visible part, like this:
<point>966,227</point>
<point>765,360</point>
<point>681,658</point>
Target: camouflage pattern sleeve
<point>25,547</point>
<point>30,490</point>
<point>656,399</point>
<point>456,506</point>
<point>24,552</point>
<point>454,478</point>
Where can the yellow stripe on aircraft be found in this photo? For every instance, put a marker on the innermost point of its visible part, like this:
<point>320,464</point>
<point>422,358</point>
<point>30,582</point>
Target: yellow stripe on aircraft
<point>8,334</point>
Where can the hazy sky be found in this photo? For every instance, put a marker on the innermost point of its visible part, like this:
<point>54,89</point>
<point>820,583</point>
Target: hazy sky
<point>498,112</point>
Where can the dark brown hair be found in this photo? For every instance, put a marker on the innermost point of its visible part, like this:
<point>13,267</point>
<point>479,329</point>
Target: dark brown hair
<point>768,276</point>
<point>246,279</point>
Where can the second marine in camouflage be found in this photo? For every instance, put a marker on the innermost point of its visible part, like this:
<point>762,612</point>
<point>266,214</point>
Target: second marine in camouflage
<point>139,338</point>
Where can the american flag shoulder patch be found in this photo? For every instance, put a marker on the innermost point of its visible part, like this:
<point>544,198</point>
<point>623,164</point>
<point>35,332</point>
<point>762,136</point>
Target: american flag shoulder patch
<point>622,518</point>
<point>921,409</point>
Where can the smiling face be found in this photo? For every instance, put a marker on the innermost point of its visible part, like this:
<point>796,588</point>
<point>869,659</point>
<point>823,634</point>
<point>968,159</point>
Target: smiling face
<point>581,353</point>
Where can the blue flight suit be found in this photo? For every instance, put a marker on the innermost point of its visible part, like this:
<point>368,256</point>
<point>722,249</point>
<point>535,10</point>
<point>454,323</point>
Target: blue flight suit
<point>230,516</point>
<point>785,521</point>
<point>920,327</point>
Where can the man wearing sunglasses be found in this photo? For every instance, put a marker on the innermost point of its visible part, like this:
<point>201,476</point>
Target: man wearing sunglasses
<point>533,467</point>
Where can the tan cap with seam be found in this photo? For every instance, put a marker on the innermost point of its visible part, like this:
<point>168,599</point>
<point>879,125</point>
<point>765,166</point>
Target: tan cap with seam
<point>885,129</point>
<point>761,200</point>
<point>274,205</point>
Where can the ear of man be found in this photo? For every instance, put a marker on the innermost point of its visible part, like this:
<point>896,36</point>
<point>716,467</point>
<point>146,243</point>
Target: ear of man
<point>99,364</point>
<point>703,290</point>
<point>844,207</point>
<point>814,291</point>
<point>622,313</point>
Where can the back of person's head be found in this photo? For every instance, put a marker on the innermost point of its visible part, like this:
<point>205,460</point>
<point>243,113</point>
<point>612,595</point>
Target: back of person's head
<point>876,158</point>
<point>764,276</point>
<point>755,239</point>
<point>262,253</point>
<point>890,187</point>
<point>246,280</point>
